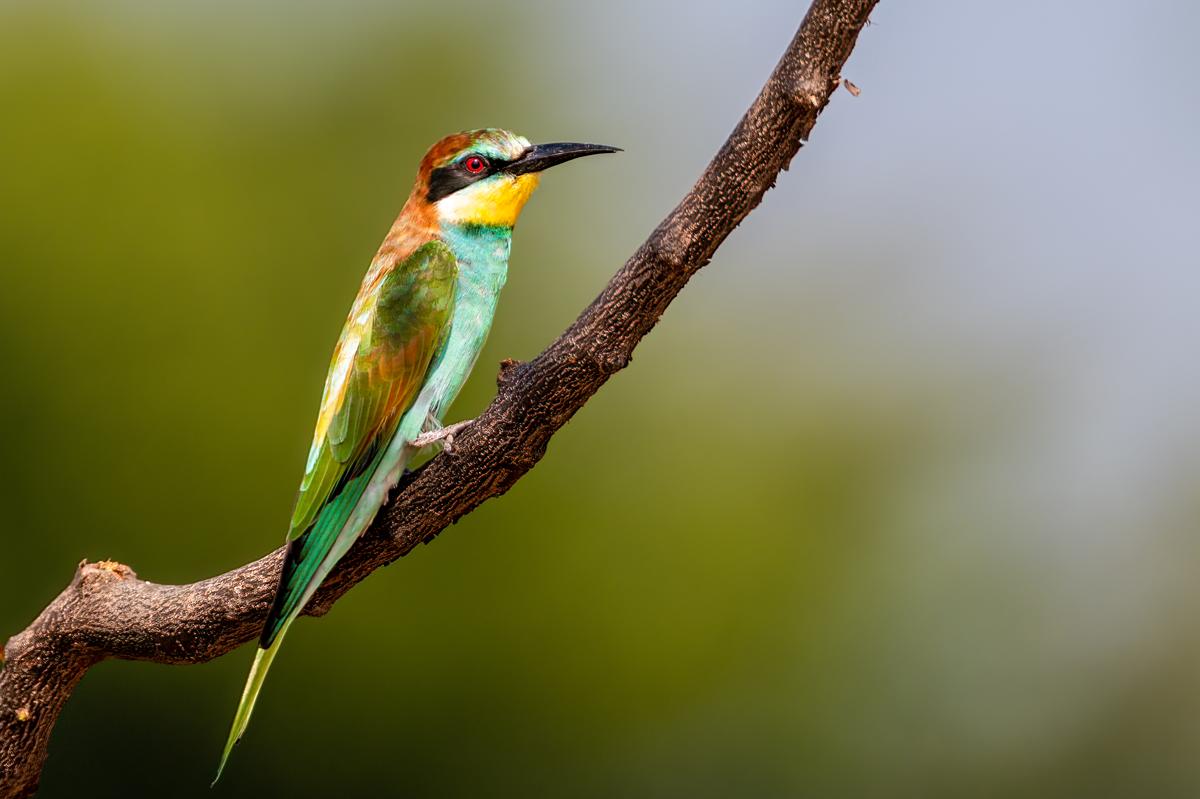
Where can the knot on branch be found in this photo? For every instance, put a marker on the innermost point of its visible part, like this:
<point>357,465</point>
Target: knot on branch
<point>97,576</point>
<point>812,93</point>
<point>106,569</point>
<point>509,367</point>
<point>669,247</point>
<point>612,362</point>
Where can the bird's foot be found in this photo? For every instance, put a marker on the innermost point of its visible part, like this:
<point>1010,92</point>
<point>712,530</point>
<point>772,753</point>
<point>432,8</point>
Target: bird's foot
<point>444,435</point>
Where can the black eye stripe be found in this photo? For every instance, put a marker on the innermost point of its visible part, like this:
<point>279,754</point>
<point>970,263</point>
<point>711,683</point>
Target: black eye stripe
<point>446,180</point>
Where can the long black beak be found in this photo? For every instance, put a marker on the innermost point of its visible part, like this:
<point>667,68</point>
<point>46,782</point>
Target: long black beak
<point>544,156</point>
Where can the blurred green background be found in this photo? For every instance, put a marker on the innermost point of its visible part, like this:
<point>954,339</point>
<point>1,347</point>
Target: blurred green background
<point>899,500</point>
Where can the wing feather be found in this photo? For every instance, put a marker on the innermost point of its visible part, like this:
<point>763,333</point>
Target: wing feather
<point>377,370</point>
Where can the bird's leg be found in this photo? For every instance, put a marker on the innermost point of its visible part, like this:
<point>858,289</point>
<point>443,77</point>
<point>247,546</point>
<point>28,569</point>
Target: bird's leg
<point>445,435</point>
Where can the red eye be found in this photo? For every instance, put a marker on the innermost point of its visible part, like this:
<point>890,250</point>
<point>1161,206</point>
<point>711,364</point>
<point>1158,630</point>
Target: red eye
<point>474,164</point>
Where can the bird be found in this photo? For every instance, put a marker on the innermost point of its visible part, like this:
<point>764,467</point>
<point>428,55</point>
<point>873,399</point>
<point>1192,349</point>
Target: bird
<point>412,336</point>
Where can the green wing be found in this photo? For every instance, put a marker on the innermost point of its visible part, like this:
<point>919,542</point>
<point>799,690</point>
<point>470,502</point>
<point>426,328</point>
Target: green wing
<point>378,368</point>
<point>398,323</point>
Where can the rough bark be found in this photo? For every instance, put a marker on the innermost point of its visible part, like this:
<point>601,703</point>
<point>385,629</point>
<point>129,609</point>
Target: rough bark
<point>108,612</point>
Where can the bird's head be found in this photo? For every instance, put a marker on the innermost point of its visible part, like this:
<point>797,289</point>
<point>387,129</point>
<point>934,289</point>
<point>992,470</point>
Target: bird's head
<point>484,177</point>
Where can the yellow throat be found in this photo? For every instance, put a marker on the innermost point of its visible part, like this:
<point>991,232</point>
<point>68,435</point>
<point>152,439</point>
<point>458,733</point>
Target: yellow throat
<point>496,201</point>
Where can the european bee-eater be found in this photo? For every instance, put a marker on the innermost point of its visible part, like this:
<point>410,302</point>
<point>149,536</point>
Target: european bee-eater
<point>412,337</point>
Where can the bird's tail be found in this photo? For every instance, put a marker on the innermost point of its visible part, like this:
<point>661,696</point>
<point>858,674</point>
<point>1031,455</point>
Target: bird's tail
<point>308,561</point>
<point>258,673</point>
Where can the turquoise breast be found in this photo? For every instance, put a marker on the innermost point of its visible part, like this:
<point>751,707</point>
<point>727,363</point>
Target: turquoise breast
<point>482,253</point>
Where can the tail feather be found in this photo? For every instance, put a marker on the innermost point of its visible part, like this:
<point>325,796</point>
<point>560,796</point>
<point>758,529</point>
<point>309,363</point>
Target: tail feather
<point>308,562</point>
<point>258,673</point>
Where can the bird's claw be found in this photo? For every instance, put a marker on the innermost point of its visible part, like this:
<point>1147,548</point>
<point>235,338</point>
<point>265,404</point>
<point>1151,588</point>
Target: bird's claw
<point>444,435</point>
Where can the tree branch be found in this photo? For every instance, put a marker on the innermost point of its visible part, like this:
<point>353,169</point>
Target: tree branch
<point>108,612</point>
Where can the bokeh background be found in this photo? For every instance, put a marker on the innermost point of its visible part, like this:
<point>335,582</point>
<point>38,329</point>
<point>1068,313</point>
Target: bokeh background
<point>900,499</point>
